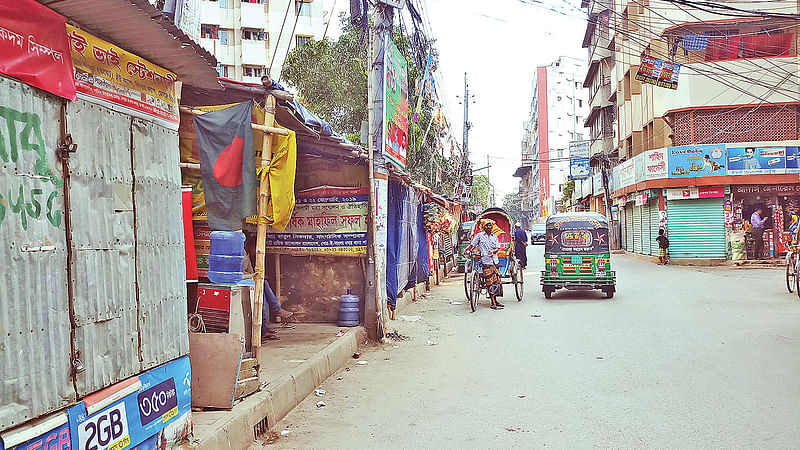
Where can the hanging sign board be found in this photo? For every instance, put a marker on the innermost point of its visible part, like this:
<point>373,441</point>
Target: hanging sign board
<point>34,48</point>
<point>658,72</point>
<point>113,77</point>
<point>695,193</point>
<point>395,120</point>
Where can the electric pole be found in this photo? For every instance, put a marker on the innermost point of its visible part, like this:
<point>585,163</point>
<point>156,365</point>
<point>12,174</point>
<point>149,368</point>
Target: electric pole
<point>466,119</point>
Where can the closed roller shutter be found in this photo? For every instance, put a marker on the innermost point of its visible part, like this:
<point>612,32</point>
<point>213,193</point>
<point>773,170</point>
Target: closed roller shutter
<point>696,228</point>
<point>654,225</point>
<point>646,229</point>
<point>637,229</point>
<point>629,227</point>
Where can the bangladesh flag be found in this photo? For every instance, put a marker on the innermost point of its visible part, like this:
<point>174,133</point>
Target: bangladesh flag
<point>227,162</point>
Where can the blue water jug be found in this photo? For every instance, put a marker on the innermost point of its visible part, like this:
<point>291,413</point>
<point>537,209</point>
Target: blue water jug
<point>349,310</point>
<point>226,258</point>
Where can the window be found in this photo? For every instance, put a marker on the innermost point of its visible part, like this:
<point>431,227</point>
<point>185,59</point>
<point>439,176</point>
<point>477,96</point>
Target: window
<point>223,37</point>
<point>302,40</point>
<point>251,34</point>
<point>302,8</point>
<point>250,71</point>
<point>224,71</point>
<point>580,103</point>
<point>209,31</point>
<point>223,4</point>
<point>560,153</point>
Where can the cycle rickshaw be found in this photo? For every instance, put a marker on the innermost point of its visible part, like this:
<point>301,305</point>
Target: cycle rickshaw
<point>510,268</point>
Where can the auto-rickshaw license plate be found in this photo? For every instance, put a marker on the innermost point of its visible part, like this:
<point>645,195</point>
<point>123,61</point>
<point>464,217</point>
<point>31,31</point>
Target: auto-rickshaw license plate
<point>577,260</point>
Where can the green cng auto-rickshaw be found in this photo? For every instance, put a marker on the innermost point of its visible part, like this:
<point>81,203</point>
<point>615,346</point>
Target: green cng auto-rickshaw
<point>577,255</point>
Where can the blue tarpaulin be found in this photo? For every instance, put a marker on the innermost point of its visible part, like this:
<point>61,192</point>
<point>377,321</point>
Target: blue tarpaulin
<point>407,245</point>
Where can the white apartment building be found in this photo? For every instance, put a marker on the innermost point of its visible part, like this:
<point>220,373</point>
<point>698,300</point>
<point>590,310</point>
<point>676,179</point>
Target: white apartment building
<point>559,106</point>
<point>248,36</point>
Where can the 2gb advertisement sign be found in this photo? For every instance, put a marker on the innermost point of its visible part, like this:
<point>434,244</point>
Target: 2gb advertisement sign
<point>149,404</point>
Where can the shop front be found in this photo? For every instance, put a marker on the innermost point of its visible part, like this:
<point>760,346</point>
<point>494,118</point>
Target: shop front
<point>777,203</point>
<point>640,222</point>
<point>696,222</point>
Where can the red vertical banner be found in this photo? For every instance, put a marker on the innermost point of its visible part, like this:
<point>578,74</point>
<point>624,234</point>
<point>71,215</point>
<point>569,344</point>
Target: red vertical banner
<point>188,234</point>
<point>34,47</point>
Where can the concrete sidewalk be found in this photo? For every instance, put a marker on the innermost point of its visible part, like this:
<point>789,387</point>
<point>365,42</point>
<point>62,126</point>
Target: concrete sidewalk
<point>291,368</point>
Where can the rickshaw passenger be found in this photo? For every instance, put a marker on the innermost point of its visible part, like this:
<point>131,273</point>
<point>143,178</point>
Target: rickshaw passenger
<point>488,245</point>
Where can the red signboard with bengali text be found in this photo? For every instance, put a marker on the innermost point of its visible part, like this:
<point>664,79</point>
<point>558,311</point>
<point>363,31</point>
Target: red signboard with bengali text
<point>34,47</point>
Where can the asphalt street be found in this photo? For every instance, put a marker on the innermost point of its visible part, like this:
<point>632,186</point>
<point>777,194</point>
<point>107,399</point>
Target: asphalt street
<point>681,357</point>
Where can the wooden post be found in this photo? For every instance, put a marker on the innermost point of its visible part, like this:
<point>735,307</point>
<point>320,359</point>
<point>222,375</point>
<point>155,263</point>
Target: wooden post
<point>277,289</point>
<point>263,200</point>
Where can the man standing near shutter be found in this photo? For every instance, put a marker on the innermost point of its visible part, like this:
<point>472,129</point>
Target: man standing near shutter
<point>758,233</point>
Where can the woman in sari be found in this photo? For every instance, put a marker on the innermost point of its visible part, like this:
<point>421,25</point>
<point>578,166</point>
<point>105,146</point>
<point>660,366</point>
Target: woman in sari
<point>488,246</point>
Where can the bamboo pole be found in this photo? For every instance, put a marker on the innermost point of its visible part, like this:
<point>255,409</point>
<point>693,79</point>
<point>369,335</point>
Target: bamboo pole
<point>265,128</point>
<point>263,200</point>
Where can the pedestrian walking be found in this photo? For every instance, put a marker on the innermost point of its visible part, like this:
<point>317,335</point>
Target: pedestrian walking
<point>663,247</point>
<point>487,245</point>
<point>520,245</point>
<point>758,232</point>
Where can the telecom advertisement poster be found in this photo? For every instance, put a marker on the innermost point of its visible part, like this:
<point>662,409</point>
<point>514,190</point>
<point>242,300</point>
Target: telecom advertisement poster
<point>696,160</point>
<point>145,411</point>
<point>395,128</point>
<point>761,160</point>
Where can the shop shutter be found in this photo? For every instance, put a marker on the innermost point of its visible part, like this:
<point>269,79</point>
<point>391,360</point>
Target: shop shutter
<point>637,229</point>
<point>654,225</point>
<point>646,229</point>
<point>629,227</point>
<point>696,228</point>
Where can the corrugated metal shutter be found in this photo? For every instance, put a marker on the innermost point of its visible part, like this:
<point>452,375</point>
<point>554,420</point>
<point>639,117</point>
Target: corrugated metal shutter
<point>654,225</point>
<point>629,227</point>
<point>696,228</point>
<point>637,229</point>
<point>646,229</point>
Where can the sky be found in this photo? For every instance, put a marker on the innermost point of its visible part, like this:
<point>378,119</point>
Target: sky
<point>498,44</point>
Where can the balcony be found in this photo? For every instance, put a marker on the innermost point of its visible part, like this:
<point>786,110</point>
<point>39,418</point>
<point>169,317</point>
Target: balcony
<point>254,16</point>
<point>254,53</point>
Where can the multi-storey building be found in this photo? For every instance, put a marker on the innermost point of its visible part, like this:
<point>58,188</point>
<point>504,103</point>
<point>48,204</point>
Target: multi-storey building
<point>705,146</point>
<point>600,120</point>
<point>557,116</point>
<point>248,37</point>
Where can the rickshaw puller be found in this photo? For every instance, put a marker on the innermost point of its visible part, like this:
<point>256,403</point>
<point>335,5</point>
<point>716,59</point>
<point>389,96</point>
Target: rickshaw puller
<point>488,245</point>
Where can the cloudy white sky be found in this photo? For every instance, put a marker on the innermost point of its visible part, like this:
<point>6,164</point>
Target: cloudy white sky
<point>499,44</point>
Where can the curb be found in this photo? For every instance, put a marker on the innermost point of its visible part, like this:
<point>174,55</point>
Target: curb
<point>279,397</point>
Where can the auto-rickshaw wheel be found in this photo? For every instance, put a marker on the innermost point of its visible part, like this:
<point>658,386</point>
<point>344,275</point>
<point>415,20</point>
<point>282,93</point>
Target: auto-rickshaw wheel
<point>609,292</point>
<point>548,293</point>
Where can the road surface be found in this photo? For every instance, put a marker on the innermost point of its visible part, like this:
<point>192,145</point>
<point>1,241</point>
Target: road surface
<point>682,357</point>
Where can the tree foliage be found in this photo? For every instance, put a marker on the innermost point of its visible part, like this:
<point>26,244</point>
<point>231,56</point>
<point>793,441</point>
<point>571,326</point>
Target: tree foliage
<point>569,189</point>
<point>480,191</point>
<point>512,204</point>
<point>331,80</point>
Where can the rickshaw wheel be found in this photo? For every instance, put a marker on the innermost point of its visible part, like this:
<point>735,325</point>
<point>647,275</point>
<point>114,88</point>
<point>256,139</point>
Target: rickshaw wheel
<point>476,290</point>
<point>519,285</point>
<point>467,279</point>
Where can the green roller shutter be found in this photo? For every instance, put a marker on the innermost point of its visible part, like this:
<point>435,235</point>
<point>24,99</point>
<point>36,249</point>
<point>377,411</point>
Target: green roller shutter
<point>646,229</point>
<point>637,229</point>
<point>654,224</point>
<point>696,228</point>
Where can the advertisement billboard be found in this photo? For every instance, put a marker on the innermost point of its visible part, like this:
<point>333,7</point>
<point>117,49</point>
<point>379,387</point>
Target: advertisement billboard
<point>395,121</point>
<point>757,160</point>
<point>696,160</point>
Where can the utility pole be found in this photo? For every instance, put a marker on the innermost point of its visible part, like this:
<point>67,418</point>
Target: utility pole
<point>466,119</point>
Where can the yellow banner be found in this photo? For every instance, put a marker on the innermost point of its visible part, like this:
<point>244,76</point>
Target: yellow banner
<point>119,79</point>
